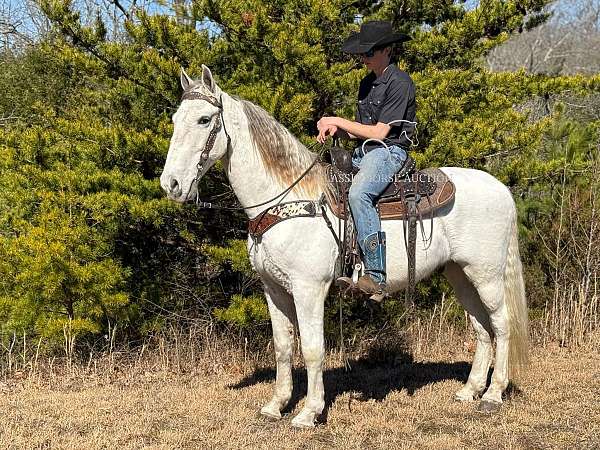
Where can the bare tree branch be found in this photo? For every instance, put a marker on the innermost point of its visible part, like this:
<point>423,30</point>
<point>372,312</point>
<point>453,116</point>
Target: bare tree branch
<point>565,45</point>
<point>126,13</point>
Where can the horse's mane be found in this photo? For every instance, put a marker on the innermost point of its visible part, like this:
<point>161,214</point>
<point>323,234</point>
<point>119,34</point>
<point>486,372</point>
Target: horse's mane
<point>284,156</point>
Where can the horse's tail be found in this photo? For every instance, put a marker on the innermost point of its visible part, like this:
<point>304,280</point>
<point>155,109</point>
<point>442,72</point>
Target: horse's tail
<point>516,303</point>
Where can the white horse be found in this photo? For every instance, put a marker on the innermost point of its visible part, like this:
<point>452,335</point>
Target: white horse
<point>475,240</point>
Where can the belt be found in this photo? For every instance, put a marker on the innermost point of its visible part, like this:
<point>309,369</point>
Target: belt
<point>361,153</point>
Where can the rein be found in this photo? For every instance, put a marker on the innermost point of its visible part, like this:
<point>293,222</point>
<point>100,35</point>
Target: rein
<point>209,205</point>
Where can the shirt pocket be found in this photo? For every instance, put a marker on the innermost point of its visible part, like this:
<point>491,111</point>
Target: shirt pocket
<point>364,111</point>
<point>375,105</point>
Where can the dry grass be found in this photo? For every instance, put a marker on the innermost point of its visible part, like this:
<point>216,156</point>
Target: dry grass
<point>184,395</point>
<point>573,314</point>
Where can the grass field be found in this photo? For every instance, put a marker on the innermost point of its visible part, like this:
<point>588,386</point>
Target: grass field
<point>387,400</point>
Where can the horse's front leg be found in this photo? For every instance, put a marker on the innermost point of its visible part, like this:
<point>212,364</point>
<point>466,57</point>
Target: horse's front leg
<point>309,298</point>
<point>281,310</point>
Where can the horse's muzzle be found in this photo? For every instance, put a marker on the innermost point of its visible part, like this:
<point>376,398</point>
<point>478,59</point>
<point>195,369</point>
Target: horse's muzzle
<point>172,187</point>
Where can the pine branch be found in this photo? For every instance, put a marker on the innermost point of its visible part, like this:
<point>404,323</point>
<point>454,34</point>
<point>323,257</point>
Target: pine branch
<point>116,71</point>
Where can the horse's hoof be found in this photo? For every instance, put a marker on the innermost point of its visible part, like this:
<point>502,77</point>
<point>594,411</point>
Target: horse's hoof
<point>269,414</point>
<point>305,419</point>
<point>463,398</point>
<point>464,395</point>
<point>488,407</point>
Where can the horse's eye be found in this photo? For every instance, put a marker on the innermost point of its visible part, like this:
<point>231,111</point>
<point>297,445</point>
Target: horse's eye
<point>204,120</point>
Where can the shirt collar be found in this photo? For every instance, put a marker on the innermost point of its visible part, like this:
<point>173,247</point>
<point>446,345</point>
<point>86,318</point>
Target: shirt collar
<point>385,76</point>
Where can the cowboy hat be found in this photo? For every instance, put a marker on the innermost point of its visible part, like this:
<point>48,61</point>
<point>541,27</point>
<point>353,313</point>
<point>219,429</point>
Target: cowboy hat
<point>376,33</point>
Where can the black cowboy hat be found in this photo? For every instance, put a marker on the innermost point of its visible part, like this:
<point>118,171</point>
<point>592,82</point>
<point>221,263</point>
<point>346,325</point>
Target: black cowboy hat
<point>376,33</point>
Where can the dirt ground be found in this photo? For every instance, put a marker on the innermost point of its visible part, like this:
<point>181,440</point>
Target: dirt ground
<point>394,403</point>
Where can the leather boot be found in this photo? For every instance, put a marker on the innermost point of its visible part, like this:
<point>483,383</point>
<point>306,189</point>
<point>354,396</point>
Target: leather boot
<point>373,281</point>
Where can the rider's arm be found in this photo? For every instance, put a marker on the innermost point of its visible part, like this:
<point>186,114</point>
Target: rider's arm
<point>362,131</point>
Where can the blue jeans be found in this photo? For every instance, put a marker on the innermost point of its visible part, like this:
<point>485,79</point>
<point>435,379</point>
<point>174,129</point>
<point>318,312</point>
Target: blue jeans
<point>377,170</point>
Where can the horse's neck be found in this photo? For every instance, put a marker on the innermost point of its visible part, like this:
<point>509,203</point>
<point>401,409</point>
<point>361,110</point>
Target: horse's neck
<point>246,172</point>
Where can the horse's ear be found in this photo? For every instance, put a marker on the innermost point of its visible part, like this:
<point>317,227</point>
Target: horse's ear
<point>208,79</point>
<point>186,81</point>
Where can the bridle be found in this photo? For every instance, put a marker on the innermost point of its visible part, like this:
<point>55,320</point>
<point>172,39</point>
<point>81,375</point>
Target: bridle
<point>212,135</point>
<point>210,142</point>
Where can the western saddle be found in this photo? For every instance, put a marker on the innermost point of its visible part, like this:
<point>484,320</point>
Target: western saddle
<point>412,196</point>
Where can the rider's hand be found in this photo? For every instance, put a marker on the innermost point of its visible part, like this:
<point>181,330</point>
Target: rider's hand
<point>325,131</point>
<point>327,126</point>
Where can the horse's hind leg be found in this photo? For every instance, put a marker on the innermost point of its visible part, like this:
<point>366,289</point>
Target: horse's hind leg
<point>492,297</point>
<point>309,298</point>
<point>282,312</point>
<point>467,295</point>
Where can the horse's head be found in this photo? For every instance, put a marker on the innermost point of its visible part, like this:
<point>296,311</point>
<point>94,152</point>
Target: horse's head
<point>199,137</point>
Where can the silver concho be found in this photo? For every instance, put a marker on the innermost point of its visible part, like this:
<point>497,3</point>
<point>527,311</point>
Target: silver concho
<point>373,244</point>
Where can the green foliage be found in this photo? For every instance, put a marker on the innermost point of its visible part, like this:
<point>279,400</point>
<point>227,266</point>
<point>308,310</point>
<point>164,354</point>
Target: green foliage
<point>67,204</point>
<point>244,311</point>
<point>557,209</point>
<point>83,221</point>
<point>234,253</point>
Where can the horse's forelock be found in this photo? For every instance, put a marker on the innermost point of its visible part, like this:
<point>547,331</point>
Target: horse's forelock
<point>198,86</point>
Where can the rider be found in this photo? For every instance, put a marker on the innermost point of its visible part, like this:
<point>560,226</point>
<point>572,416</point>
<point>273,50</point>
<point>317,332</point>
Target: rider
<point>385,115</point>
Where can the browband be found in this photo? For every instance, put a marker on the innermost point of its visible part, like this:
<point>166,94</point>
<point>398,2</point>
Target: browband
<point>195,95</point>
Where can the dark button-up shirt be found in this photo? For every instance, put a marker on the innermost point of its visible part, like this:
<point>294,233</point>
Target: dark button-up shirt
<point>383,99</point>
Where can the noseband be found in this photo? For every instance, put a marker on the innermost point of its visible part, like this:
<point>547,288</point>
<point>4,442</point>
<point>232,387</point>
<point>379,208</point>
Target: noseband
<point>212,136</point>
